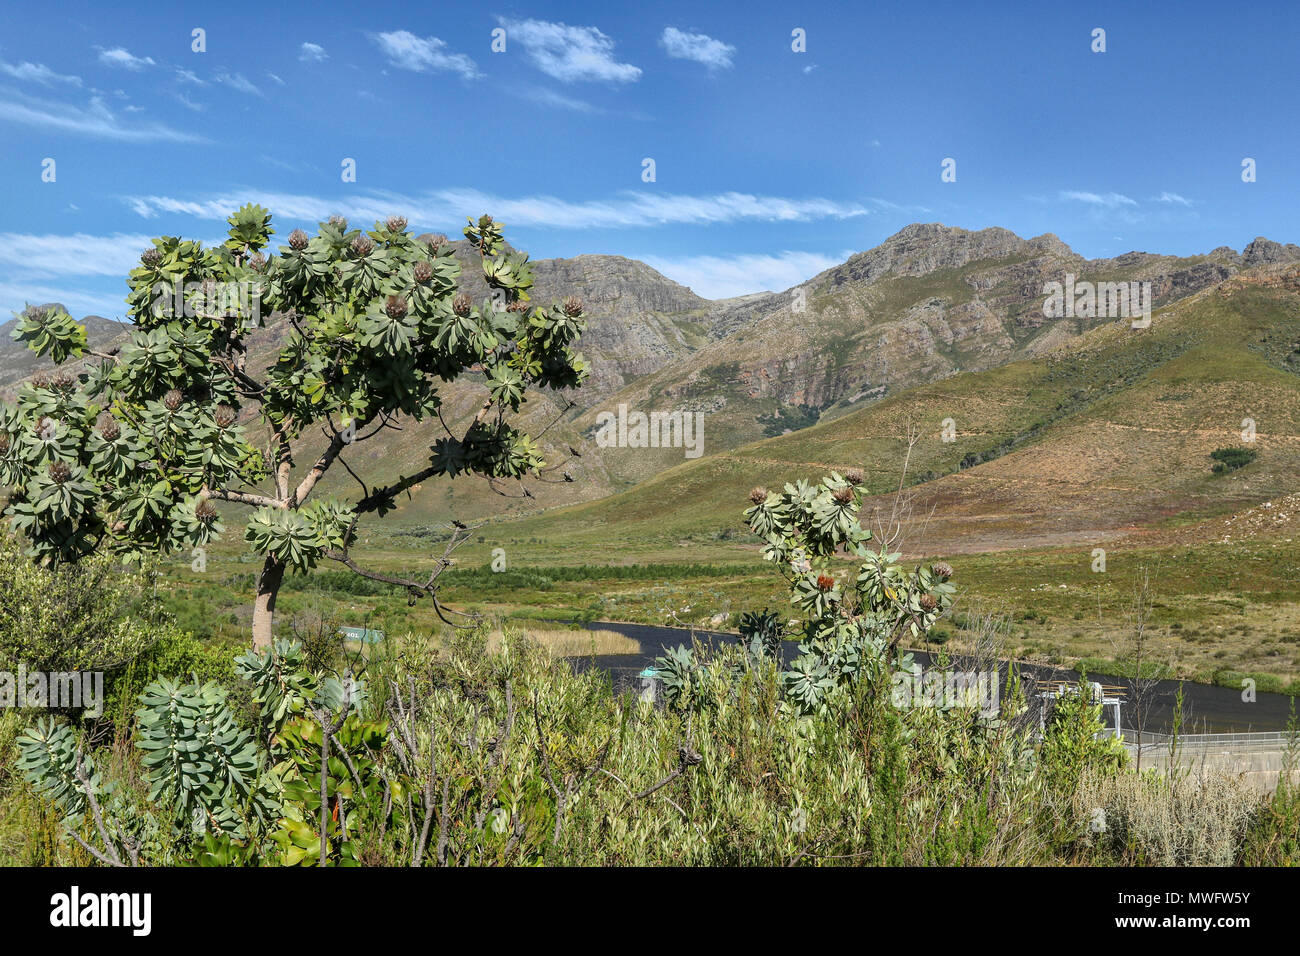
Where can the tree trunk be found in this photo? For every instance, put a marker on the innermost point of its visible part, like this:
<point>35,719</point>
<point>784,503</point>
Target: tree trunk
<point>268,586</point>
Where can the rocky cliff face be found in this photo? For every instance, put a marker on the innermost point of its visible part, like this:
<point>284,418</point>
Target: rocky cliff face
<point>927,303</point>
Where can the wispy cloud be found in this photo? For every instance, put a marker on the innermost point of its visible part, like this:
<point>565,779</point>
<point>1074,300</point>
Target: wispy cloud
<point>312,53</point>
<point>1108,200</point>
<point>49,256</point>
<point>448,207</point>
<point>547,97</point>
<point>121,57</point>
<point>1174,198</point>
<point>569,54</point>
<point>38,73</point>
<point>189,76</point>
<point>699,47</point>
<point>237,81</point>
<point>94,120</point>
<point>407,51</point>
<point>720,277</point>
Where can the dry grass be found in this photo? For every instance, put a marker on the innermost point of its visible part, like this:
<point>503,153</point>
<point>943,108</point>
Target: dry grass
<point>572,642</point>
<point>1194,818</point>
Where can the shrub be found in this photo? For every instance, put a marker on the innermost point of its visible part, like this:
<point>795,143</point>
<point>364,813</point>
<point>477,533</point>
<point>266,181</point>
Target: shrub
<point>1230,459</point>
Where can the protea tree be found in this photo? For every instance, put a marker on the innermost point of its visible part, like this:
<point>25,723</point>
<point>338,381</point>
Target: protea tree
<point>127,450</point>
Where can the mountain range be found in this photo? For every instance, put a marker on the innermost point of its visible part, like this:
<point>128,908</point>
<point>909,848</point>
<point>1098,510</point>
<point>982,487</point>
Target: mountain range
<point>935,323</point>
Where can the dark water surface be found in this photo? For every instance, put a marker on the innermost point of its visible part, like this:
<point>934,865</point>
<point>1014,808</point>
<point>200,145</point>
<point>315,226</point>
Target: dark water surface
<point>1206,708</point>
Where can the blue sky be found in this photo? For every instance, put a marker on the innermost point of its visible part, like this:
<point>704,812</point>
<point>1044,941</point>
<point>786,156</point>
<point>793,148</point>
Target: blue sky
<point>770,164</point>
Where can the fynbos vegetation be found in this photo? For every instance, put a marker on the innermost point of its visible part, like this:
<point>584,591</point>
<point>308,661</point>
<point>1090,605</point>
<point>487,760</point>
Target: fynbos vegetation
<point>128,453</point>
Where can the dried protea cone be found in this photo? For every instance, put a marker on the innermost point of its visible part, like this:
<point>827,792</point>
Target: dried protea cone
<point>205,511</point>
<point>108,427</point>
<point>825,582</point>
<point>60,472</point>
<point>461,304</point>
<point>298,240</point>
<point>423,271</point>
<point>395,307</point>
<point>854,476</point>
<point>928,602</point>
<point>224,416</point>
<point>173,399</point>
<point>396,223</point>
<point>843,495</point>
<point>573,306</point>
<point>943,569</point>
<point>362,246</point>
<point>758,495</point>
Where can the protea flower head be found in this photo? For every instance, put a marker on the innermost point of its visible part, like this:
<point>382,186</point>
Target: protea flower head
<point>5,443</point>
<point>151,257</point>
<point>40,380</point>
<point>928,602</point>
<point>396,223</point>
<point>362,246</point>
<point>44,425</point>
<point>395,306</point>
<point>60,472</point>
<point>338,221</point>
<point>298,240</point>
<point>257,262</point>
<point>825,582</point>
<point>573,306</point>
<point>109,429</point>
<point>943,569</point>
<point>224,416</point>
<point>64,382</point>
<point>205,511</point>
<point>758,495</point>
<point>843,494</point>
<point>173,399</point>
<point>854,476</point>
<point>423,272</point>
<point>436,243</point>
<point>460,305</point>
<point>517,306</point>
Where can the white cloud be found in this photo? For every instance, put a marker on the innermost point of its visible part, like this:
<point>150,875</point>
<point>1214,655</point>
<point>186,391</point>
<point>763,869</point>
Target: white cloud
<point>1168,197</point>
<point>423,55</point>
<point>118,56</point>
<point>547,97</point>
<point>720,277</point>
<point>698,47</point>
<point>447,207</point>
<point>1109,200</point>
<point>569,54</point>
<point>49,256</point>
<point>312,53</point>
<point>37,73</point>
<point>95,120</point>
<point>189,76</point>
<point>279,81</point>
<point>237,81</point>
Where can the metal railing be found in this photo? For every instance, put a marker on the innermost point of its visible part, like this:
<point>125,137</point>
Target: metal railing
<point>1263,742</point>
